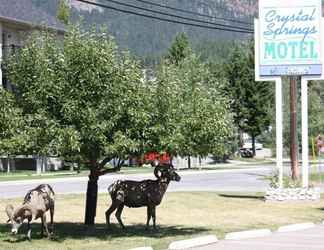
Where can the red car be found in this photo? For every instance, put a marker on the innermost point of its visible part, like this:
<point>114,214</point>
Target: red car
<point>152,158</point>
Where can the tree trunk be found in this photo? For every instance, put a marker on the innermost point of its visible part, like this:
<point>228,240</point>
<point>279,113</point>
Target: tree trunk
<point>91,200</point>
<point>38,165</point>
<point>253,145</point>
<point>241,140</point>
<point>44,160</point>
<point>96,170</point>
<point>8,164</point>
<point>1,165</point>
<point>189,162</point>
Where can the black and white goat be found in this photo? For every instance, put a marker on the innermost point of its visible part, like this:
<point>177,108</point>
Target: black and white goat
<point>35,205</point>
<point>147,193</point>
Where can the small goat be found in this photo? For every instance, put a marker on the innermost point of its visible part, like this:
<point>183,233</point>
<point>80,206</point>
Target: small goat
<point>35,205</point>
<point>147,193</point>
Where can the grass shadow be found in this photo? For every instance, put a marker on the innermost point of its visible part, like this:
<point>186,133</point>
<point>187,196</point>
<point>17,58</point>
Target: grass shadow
<point>256,197</point>
<point>78,231</point>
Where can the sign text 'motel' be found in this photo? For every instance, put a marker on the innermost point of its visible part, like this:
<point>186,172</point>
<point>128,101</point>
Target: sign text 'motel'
<point>290,37</point>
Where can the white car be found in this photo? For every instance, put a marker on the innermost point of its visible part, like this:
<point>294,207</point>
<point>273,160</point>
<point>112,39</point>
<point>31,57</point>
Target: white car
<point>248,145</point>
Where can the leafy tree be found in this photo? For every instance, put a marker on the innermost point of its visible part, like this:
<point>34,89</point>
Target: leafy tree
<point>82,98</point>
<point>12,133</point>
<point>180,49</point>
<point>162,132</point>
<point>250,100</point>
<point>192,117</point>
<point>205,118</point>
<point>63,12</point>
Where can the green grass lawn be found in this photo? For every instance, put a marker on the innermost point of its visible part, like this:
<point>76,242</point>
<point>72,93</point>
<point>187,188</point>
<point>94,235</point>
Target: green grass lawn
<point>317,178</point>
<point>180,216</point>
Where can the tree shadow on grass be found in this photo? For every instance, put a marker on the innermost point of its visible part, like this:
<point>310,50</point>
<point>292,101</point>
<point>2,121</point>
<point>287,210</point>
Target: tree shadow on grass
<point>78,231</point>
<point>257,197</point>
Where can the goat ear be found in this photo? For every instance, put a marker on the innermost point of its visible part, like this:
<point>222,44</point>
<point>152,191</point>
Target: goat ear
<point>9,211</point>
<point>155,163</point>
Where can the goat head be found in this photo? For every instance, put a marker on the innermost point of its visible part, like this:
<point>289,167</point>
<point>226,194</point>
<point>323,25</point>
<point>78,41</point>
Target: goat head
<point>15,222</point>
<point>167,172</point>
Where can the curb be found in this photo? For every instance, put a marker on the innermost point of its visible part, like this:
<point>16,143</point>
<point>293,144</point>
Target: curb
<point>248,234</point>
<point>210,239</point>
<point>194,242</point>
<point>295,227</point>
<point>142,248</point>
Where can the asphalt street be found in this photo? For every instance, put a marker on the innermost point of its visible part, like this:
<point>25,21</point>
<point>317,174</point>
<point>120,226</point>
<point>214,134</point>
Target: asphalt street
<point>245,180</point>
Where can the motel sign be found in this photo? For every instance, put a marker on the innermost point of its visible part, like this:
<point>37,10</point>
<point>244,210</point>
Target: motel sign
<point>290,37</point>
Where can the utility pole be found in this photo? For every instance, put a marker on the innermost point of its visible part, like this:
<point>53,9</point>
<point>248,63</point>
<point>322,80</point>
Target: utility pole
<point>293,127</point>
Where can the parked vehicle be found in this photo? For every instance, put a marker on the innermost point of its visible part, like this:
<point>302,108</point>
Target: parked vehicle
<point>246,152</point>
<point>248,145</point>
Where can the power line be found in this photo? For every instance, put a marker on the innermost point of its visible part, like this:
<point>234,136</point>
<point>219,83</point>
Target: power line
<point>176,16</point>
<point>194,13</point>
<point>161,18</point>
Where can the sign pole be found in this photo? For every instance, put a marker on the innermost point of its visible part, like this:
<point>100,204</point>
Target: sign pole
<point>293,127</point>
<point>304,111</point>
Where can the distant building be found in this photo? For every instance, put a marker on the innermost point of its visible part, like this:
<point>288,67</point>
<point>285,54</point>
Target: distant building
<point>18,19</point>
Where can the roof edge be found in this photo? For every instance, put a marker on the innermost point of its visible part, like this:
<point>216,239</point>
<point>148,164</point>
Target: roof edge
<point>32,25</point>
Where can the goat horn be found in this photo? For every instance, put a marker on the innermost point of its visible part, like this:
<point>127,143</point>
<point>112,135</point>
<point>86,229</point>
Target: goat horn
<point>170,166</point>
<point>156,171</point>
<point>9,211</point>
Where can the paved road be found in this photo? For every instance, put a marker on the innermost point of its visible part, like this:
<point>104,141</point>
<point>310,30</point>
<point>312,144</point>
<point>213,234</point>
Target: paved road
<point>215,180</point>
<point>309,239</point>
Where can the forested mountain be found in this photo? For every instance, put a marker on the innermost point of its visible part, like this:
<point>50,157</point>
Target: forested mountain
<point>150,38</point>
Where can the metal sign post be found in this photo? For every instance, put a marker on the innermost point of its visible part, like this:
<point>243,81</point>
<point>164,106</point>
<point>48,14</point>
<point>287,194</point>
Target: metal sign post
<point>304,111</point>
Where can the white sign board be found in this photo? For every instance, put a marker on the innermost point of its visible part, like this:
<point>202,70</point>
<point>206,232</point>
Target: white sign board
<point>289,38</point>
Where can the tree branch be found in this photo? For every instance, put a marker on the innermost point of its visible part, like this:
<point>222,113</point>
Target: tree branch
<point>101,172</point>
<point>104,162</point>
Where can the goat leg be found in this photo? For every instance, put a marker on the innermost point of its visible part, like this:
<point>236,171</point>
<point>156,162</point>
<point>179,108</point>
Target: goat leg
<point>45,225</point>
<point>110,211</point>
<point>148,218</point>
<point>118,215</point>
<point>52,219</point>
<point>153,216</point>
<point>42,233</point>
<point>29,230</point>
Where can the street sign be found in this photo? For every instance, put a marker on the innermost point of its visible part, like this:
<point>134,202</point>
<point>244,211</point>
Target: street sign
<point>289,38</point>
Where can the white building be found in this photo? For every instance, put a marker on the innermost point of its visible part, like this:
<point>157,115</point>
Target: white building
<point>18,19</point>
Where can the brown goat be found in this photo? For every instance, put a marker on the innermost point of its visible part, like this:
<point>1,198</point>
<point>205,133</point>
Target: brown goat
<point>35,205</point>
<point>147,193</point>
